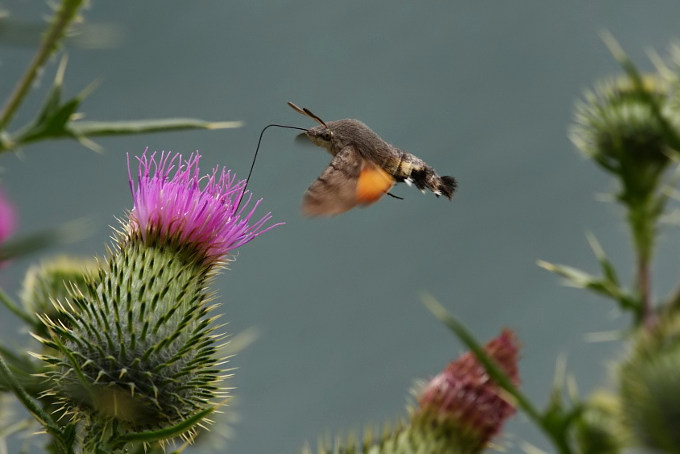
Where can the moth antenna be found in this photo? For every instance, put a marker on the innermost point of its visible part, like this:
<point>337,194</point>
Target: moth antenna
<point>306,112</point>
<point>394,196</point>
<point>311,114</point>
<point>257,149</point>
<point>296,108</point>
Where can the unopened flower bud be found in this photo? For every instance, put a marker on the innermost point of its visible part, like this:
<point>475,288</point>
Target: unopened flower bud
<point>617,126</point>
<point>463,404</point>
<point>600,429</point>
<point>50,280</point>
<point>650,387</point>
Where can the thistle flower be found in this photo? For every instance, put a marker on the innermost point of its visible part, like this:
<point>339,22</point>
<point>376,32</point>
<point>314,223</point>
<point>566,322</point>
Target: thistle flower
<point>462,404</point>
<point>458,411</point>
<point>175,207</point>
<point>7,217</point>
<point>138,352</point>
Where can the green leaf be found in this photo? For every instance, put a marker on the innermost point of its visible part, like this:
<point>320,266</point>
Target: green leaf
<point>54,116</point>
<point>605,286</point>
<point>60,120</point>
<point>170,432</point>
<point>34,408</point>
<point>25,370</point>
<point>53,125</point>
<point>17,310</point>
<point>110,128</point>
<point>606,266</point>
<point>53,98</point>
<point>581,279</point>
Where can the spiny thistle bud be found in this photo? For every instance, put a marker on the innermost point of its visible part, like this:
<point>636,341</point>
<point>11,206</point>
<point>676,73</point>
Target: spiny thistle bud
<point>458,411</point>
<point>138,350</point>
<point>671,74</point>
<point>650,387</point>
<point>617,127</point>
<point>462,404</point>
<point>600,428</point>
<point>50,280</point>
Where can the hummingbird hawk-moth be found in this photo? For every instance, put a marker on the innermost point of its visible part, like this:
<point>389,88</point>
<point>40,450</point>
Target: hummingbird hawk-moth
<point>363,169</point>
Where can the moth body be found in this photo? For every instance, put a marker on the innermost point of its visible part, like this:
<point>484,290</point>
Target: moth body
<point>364,168</point>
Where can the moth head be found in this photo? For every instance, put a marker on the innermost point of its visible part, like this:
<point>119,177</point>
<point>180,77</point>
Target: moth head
<point>336,135</point>
<point>321,135</point>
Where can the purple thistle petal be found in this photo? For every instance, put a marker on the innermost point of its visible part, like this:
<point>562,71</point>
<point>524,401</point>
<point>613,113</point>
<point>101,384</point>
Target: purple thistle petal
<point>169,201</point>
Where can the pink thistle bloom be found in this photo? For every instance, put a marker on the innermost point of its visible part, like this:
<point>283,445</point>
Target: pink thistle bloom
<point>173,200</point>
<point>7,217</point>
<point>463,398</point>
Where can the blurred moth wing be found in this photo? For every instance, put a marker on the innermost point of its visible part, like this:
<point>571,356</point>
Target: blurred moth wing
<point>348,181</point>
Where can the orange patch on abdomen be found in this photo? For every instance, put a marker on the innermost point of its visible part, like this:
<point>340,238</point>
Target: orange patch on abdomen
<point>373,183</point>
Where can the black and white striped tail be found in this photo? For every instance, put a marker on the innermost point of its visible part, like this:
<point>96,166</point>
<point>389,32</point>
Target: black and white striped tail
<point>414,171</point>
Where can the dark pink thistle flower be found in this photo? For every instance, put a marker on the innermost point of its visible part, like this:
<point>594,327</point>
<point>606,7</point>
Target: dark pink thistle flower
<point>173,200</point>
<point>465,402</point>
<point>7,218</point>
<point>7,223</point>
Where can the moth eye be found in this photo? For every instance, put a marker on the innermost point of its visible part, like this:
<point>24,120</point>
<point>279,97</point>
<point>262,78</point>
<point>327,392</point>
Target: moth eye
<point>327,135</point>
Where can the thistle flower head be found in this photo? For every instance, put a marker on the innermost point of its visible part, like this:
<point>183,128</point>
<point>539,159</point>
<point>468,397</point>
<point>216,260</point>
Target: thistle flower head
<point>463,403</point>
<point>134,348</point>
<point>618,126</point>
<point>458,411</point>
<point>7,217</point>
<point>615,122</point>
<point>173,200</point>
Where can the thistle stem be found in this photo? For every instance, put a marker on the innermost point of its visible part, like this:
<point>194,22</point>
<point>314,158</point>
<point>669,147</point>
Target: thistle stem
<point>60,22</point>
<point>642,217</point>
<point>44,418</point>
<point>14,308</point>
<point>648,315</point>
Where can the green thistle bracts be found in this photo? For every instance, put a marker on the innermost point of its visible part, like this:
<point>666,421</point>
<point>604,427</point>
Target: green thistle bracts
<point>137,349</point>
<point>50,281</point>
<point>424,433</point>
<point>427,437</point>
<point>650,387</point>
<point>429,434</point>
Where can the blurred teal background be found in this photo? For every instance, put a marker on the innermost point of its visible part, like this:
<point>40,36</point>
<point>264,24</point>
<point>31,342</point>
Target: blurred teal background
<point>483,91</point>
